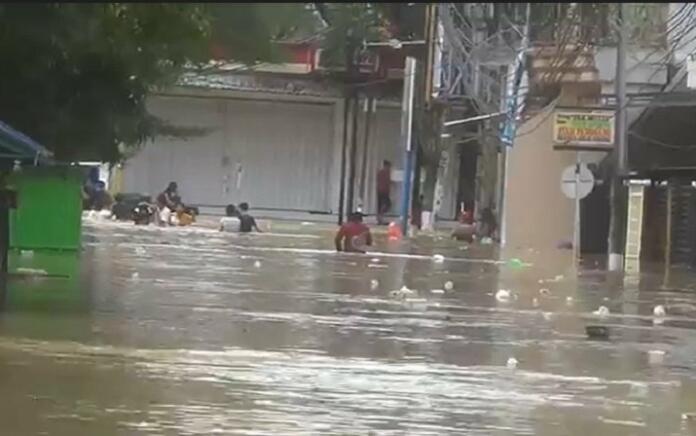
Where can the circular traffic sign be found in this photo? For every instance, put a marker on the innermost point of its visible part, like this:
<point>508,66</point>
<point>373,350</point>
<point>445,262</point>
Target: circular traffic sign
<point>583,176</point>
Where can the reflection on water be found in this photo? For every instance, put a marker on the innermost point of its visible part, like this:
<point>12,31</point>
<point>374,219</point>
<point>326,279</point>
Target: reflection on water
<point>171,331</point>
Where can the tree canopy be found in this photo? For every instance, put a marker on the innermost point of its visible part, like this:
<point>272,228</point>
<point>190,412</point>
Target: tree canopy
<point>75,77</point>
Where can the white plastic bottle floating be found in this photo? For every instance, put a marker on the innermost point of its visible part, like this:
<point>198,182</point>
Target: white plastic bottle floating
<point>512,363</point>
<point>374,284</point>
<point>449,286</point>
<point>659,311</point>
<point>656,357</point>
<point>602,312</point>
<point>257,264</point>
<point>438,258</point>
<point>503,295</point>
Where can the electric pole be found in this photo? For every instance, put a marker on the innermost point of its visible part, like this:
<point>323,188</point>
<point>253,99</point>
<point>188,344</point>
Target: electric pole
<point>348,93</point>
<point>617,223</point>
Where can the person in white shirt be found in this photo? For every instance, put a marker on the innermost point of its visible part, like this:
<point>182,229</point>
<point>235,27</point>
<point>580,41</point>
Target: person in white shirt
<point>230,222</point>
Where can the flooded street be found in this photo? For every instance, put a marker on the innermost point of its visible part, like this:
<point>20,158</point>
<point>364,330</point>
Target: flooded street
<point>194,332</point>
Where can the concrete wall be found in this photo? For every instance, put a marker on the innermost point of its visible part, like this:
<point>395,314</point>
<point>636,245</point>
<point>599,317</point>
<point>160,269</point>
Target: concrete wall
<point>537,213</point>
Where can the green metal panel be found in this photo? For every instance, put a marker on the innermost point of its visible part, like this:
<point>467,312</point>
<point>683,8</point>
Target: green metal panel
<point>44,280</point>
<point>49,209</point>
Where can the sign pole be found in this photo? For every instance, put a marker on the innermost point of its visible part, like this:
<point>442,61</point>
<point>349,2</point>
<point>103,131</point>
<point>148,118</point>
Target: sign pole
<point>576,233</point>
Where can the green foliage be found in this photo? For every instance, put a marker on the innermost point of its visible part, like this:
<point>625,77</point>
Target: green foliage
<point>349,25</point>
<point>76,76</point>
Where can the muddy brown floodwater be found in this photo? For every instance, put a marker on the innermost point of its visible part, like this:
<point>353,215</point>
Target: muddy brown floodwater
<point>194,332</point>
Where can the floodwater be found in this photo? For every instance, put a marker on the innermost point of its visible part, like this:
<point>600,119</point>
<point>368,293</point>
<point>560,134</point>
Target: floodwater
<point>194,332</point>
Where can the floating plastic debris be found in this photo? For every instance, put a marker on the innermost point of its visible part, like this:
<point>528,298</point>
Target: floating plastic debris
<point>257,264</point>
<point>437,291</point>
<point>602,312</point>
<point>569,301</point>
<point>135,276</point>
<point>449,286</point>
<point>512,363</point>
<point>535,302</point>
<point>438,258</point>
<point>659,311</point>
<point>374,284</point>
<point>402,293</point>
<point>503,295</point>
<point>547,316</point>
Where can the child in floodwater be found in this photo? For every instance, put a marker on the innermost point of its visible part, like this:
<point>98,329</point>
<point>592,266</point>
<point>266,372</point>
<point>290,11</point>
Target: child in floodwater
<point>230,222</point>
<point>354,235</point>
<point>247,223</point>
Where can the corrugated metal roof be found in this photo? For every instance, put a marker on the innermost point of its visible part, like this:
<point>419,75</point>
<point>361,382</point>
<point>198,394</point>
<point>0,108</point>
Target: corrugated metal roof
<point>16,145</point>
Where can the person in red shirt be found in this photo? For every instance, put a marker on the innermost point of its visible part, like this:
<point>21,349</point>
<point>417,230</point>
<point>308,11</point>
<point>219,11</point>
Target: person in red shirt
<point>353,236</point>
<point>383,191</point>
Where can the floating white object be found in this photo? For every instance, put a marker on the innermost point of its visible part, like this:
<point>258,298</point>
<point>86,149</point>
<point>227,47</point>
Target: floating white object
<point>559,277</point>
<point>602,312</point>
<point>535,302</point>
<point>656,357</point>
<point>569,301</point>
<point>502,295</point>
<point>547,316</point>
<point>437,291</point>
<point>135,276</point>
<point>27,253</point>
<point>438,258</point>
<point>374,284</point>
<point>374,260</point>
<point>512,363</point>
<point>403,293</point>
<point>659,311</point>
<point>140,251</point>
<point>257,264</point>
<point>449,285</point>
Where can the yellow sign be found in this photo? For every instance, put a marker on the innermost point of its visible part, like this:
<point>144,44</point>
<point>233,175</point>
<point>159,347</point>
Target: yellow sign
<point>584,129</point>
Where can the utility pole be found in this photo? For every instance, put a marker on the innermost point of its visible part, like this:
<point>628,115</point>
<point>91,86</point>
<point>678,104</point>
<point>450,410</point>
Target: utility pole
<point>617,223</point>
<point>348,91</point>
<point>406,133</point>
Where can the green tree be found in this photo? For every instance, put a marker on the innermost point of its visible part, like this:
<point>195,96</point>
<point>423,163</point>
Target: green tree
<point>76,76</point>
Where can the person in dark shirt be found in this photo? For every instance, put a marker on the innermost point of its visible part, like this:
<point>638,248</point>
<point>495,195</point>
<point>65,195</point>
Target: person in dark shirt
<point>353,236</point>
<point>383,191</point>
<point>247,223</point>
<point>169,198</point>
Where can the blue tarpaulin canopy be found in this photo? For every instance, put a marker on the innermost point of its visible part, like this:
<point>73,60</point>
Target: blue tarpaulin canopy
<point>15,145</point>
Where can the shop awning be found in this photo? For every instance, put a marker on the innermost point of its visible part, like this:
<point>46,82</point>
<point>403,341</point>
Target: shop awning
<point>15,145</point>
